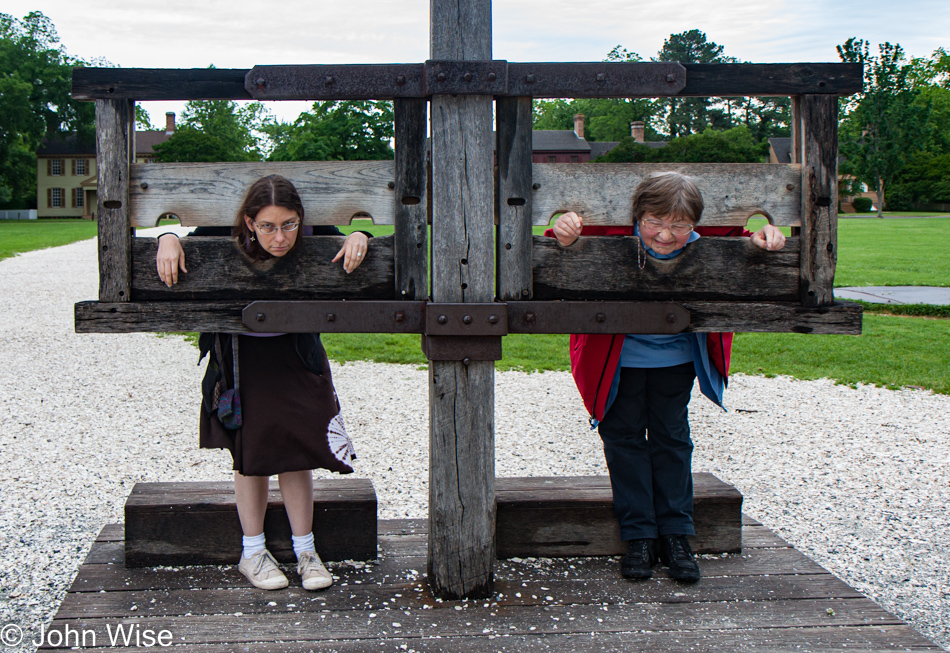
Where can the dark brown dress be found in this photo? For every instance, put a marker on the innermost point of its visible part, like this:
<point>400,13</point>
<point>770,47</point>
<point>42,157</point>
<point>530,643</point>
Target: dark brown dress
<point>290,416</point>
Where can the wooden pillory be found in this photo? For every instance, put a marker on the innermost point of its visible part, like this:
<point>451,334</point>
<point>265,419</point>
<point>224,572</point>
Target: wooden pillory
<point>490,275</point>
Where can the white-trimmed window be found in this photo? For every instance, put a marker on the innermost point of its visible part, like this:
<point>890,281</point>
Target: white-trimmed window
<point>80,167</point>
<point>55,167</point>
<point>79,197</point>
<point>55,197</point>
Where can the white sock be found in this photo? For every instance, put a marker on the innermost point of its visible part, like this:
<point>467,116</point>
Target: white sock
<point>303,543</point>
<point>253,544</point>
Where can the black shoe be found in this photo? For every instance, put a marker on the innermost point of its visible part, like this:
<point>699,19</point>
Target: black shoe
<point>676,554</point>
<point>640,560</point>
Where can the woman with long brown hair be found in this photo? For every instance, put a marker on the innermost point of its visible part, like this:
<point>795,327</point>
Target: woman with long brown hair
<point>268,397</point>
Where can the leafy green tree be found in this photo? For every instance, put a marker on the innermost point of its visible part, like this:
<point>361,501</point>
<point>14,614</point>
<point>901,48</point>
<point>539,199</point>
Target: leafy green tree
<point>35,102</point>
<point>692,115</point>
<point>335,131</point>
<point>734,145</point>
<point>215,130</point>
<point>884,120</point>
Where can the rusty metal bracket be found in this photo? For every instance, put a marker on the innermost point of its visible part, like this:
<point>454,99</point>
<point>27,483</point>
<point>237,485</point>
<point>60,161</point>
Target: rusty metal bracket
<point>466,319</point>
<point>335,82</point>
<point>334,316</point>
<point>597,317</point>
<point>466,77</point>
<point>461,348</point>
<point>601,79</point>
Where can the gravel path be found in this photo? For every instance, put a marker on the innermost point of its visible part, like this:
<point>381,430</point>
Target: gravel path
<point>857,478</point>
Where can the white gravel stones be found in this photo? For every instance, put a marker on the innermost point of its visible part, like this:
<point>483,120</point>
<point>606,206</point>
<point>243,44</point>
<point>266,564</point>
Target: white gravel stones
<point>857,478</point>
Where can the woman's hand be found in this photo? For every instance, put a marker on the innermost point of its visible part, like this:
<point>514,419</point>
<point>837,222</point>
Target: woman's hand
<point>769,238</point>
<point>170,258</point>
<point>353,251</point>
<point>567,228</point>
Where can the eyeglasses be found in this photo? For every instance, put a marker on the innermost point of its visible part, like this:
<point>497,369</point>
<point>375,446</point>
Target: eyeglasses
<point>655,226</point>
<point>269,229</point>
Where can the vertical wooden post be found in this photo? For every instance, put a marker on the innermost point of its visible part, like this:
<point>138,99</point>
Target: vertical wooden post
<point>513,202</point>
<point>461,397</point>
<point>819,139</point>
<point>113,151</point>
<point>796,128</point>
<point>412,278</point>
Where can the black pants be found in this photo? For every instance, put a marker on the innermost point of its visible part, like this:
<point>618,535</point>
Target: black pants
<point>649,452</point>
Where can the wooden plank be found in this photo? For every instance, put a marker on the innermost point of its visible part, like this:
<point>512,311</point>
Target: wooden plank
<point>159,84</point>
<point>842,318</point>
<point>172,524</point>
<point>131,317</point>
<point>461,397</point>
<point>357,624</point>
<point>113,149</point>
<point>606,267</point>
<point>574,516</point>
<point>514,199</point>
<point>819,188</point>
<point>218,270</point>
<point>701,80</point>
<point>210,194</point>
<point>111,533</point>
<point>774,640</point>
<point>411,200</point>
<point>732,192</point>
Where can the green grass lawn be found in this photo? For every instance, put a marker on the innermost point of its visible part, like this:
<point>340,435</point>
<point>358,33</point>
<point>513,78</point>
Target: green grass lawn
<point>18,236</point>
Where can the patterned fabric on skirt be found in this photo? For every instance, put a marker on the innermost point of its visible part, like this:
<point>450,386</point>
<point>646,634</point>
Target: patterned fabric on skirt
<point>291,416</point>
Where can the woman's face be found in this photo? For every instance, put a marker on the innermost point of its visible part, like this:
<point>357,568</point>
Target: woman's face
<point>277,219</point>
<point>664,235</point>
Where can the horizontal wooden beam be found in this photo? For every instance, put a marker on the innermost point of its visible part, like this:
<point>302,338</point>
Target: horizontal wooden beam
<point>218,270</point>
<point>210,194</point>
<point>711,269</point>
<point>603,192</point>
<point>539,79</point>
<point>225,316</point>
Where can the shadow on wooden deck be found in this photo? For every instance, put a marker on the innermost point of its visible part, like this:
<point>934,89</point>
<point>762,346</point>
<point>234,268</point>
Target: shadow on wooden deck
<point>768,598</point>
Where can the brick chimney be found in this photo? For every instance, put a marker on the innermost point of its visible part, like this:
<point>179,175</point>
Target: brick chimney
<point>579,125</point>
<point>169,123</point>
<point>636,130</point>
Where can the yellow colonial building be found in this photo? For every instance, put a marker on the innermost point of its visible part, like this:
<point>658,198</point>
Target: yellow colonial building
<point>66,172</point>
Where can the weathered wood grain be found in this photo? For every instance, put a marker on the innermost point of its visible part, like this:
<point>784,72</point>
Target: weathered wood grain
<point>411,200</point>
<point>210,194</point>
<point>461,397</point>
<point>842,318</point>
<point>574,516</point>
<point>819,188</point>
<point>218,270</point>
<point>606,267</point>
<point>775,79</point>
<point>197,524</point>
<point>174,315</point>
<point>514,197</point>
<point>114,149</point>
<point>159,84</point>
<point>732,192</point>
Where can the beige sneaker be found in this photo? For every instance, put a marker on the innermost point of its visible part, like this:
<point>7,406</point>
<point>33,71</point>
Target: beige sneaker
<point>312,572</point>
<point>262,570</point>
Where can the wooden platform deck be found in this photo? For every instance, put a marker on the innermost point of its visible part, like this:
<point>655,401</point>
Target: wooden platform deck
<point>768,598</point>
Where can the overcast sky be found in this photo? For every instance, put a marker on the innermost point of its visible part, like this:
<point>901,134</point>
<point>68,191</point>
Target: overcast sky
<point>240,34</point>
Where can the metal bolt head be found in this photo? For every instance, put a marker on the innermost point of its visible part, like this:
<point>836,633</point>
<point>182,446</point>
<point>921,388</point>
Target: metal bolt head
<point>143,185</point>
<point>671,78</point>
<point>400,316</point>
<point>493,319</point>
<point>400,80</point>
<point>525,292</point>
<point>671,318</point>
<point>328,80</point>
<point>529,317</point>
<point>466,319</point>
<point>465,361</point>
<point>391,185</point>
<point>601,77</point>
<point>529,79</point>
<point>600,317</point>
<point>467,77</point>
<point>260,81</point>
<point>535,186</point>
<point>261,317</point>
<point>491,77</point>
<point>443,319</point>
<point>331,317</point>
<point>440,77</point>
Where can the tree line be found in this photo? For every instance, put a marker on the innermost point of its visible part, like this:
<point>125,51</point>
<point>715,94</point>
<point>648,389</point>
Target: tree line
<point>894,136</point>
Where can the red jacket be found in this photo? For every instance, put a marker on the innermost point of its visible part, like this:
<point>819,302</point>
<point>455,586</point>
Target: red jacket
<point>595,356</point>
